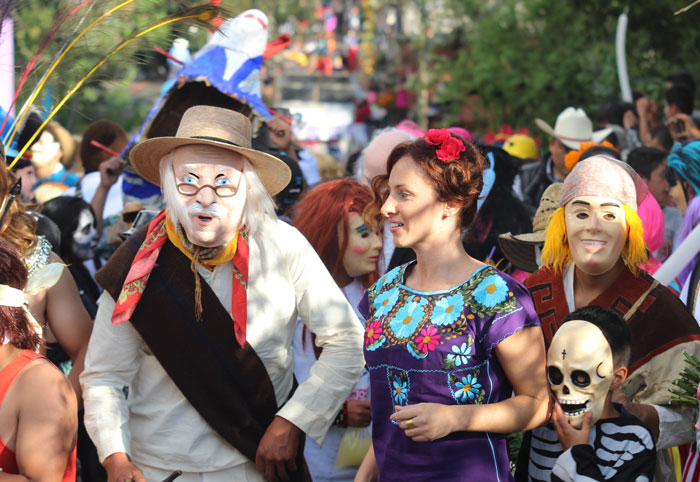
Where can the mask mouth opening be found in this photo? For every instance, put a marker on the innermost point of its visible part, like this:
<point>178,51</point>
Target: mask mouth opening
<point>575,407</point>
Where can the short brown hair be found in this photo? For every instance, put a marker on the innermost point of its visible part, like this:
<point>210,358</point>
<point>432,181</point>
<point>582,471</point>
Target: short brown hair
<point>458,181</point>
<point>105,132</point>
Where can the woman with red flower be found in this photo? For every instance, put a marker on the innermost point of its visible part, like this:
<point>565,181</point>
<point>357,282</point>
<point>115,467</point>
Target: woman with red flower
<point>329,215</point>
<point>448,339</point>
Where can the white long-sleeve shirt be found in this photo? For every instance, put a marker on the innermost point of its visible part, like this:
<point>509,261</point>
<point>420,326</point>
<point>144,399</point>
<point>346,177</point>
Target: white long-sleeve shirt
<point>157,425</point>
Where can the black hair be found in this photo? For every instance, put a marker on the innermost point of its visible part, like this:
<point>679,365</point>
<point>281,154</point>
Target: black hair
<point>599,151</point>
<point>613,111</point>
<point>645,160</point>
<point>65,212</point>
<point>615,330</point>
<point>681,97</point>
<point>683,79</point>
<point>662,135</point>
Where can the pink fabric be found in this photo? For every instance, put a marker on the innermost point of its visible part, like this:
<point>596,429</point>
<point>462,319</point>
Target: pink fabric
<point>462,132</point>
<point>605,177</point>
<point>653,222</point>
<point>410,127</point>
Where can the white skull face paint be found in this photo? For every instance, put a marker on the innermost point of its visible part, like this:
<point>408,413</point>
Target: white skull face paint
<point>580,370</point>
<point>85,236</point>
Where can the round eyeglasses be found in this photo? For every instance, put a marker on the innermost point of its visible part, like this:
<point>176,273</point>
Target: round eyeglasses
<point>228,190</point>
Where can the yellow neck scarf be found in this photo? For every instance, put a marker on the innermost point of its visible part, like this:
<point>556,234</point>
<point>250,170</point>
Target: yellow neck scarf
<point>207,257</point>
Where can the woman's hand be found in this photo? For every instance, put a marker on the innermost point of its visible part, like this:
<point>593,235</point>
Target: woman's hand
<point>424,422</point>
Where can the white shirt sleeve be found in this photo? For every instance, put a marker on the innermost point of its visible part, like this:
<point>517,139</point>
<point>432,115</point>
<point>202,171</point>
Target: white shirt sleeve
<point>676,426</point>
<point>112,360</point>
<point>324,309</point>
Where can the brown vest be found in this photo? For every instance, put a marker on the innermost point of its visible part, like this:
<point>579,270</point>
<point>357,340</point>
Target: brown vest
<point>226,383</point>
<point>660,322</point>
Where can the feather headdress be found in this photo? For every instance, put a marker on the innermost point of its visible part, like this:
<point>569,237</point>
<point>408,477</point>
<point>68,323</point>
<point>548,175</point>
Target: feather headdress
<point>199,15</point>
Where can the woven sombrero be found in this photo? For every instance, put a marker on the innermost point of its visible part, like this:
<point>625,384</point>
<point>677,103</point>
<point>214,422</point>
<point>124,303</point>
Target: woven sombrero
<point>520,249</point>
<point>211,126</point>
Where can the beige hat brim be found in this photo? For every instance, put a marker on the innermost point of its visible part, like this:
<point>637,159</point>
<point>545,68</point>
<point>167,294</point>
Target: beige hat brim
<point>521,252</point>
<point>146,156</point>
<point>597,137</point>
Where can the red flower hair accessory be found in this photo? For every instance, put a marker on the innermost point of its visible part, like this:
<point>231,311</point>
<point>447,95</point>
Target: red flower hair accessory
<point>450,147</point>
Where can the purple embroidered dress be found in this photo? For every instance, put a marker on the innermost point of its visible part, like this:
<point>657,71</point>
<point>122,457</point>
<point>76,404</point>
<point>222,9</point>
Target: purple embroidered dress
<point>439,347</point>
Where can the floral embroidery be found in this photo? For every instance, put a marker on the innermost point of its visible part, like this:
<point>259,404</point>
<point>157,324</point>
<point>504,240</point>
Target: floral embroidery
<point>407,318</point>
<point>468,389</point>
<point>373,332</point>
<point>428,339</point>
<point>384,303</point>
<point>460,354</point>
<point>400,390</point>
<point>491,291</point>
<point>447,310</point>
<point>389,277</point>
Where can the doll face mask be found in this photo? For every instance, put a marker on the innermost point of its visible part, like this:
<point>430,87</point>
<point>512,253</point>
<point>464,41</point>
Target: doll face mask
<point>360,256</point>
<point>596,231</point>
<point>580,370</point>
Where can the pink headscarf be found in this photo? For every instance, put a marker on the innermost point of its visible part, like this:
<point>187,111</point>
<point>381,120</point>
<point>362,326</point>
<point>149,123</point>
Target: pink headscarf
<point>460,131</point>
<point>652,218</point>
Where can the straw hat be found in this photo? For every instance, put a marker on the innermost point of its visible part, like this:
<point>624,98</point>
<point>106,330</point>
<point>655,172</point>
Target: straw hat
<point>573,127</point>
<point>211,126</point>
<point>520,249</point>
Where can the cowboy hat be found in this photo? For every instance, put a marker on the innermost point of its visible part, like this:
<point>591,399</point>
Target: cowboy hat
<point>211,126</point>
<point>520,249</point>
<point>573,127</point>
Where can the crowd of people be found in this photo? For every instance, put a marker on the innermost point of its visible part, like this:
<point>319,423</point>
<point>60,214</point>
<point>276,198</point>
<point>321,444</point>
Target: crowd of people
<point>208,301</point>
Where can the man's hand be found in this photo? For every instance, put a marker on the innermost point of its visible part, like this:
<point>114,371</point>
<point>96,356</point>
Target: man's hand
<point>359,413</point>
<point>424,422</point>
<point>110,171</point>
<point>120,469</point>
<point>280,133</point>
<point>682,127</point>
<point>278,449</point>
<point>568,435</point>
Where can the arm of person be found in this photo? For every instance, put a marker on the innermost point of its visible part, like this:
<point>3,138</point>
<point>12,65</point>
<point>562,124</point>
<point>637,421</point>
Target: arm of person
<point>315,403</point>
<point>643,109</point>
<point>113,359</point>
<point>324,309</point>
<point>69,322</point>
<point>368,471</point>
<point>47,424</point>
<point>109,174</point>
<point>522,356</point>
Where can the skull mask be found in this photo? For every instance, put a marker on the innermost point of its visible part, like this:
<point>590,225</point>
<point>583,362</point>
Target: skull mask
<point>580,370</point>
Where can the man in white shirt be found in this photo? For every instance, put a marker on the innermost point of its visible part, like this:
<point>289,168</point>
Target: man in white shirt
<point>190,366</point>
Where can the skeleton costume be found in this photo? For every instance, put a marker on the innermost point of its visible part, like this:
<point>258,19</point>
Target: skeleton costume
<point>619,449</point>
<point>661,327</point>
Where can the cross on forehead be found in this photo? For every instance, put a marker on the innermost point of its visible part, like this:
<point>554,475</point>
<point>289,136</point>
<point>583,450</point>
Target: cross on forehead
<point>563,354</point>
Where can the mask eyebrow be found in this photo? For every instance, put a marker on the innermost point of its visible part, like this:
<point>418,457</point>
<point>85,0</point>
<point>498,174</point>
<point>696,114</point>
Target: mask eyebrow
<point>581,202</point>
<point>610,205</point>
<point>361,229</point>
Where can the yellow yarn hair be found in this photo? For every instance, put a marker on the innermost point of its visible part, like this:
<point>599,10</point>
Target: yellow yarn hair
<point>556,253</point>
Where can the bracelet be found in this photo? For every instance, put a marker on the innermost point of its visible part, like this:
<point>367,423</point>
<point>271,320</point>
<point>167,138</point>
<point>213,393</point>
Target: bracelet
<point>342,417</point>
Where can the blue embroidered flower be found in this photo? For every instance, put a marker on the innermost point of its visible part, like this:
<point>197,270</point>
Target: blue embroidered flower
<point>389,277</point>
<point>407,318</point>
<point>460,354</point>
<point>447,310</point>
<point>400,390</point>
<point>491,291</point>
<point>467,389</point>
<point>385,302</point>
